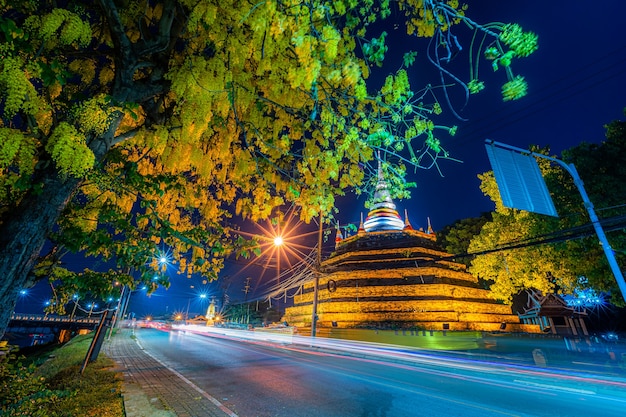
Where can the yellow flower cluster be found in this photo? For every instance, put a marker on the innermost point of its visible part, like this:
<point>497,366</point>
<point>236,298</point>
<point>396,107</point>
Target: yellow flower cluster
<point>10,142</point>
<point>396,88</point>
<point>19,93</point>
<point>94,115</point>
<point>203,13</point>
<point>86,68</point>
<point>475,86</point>
<point>62,25</point>
<point>514,89</point>
<point>521,43</point>
<point>331,37</point>
<point>351,73</point>
<point>419,126</point>
<point>69,151</point>
<point>424,16</point>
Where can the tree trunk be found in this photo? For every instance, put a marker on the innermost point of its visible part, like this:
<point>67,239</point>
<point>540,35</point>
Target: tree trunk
<point>23,233</point>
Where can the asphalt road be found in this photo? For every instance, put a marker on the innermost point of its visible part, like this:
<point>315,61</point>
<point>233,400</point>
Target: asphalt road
<point>266,379</point>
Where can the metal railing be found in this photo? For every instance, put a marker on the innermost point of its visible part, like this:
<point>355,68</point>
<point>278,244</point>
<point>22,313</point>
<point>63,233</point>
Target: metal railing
<point>47,318</point>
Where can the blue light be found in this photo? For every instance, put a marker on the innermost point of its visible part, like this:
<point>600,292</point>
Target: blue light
<point>584,298</point>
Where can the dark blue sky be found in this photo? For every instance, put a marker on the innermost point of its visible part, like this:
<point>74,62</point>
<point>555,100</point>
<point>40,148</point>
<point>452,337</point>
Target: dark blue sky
<point>577,84</point>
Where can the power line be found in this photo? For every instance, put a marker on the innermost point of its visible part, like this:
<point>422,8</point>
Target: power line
<point>610,225</point>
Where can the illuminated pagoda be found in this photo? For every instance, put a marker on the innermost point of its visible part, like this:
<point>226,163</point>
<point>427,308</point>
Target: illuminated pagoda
<point>389,275</point>
<point>383,215</point>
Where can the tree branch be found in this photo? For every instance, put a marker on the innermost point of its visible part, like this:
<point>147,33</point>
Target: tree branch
<point>163,38</point>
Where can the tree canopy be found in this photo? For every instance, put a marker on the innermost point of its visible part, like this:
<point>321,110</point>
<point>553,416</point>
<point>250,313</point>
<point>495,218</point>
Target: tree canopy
<point>521,250</point>
<point>455,238</point>
<point>128,127</point>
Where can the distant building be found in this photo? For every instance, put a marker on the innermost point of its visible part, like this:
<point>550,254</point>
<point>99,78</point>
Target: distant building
<point>391,276</point>
<point>552,314</point>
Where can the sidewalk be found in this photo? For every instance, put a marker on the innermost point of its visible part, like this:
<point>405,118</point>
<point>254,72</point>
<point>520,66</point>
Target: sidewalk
<point>151,389</point>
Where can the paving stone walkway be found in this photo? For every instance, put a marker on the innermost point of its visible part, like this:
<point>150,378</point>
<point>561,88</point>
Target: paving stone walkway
<point>150,388</point>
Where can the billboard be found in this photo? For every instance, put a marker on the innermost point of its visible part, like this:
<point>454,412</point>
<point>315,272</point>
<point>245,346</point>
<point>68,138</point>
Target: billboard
<point>519,180</point>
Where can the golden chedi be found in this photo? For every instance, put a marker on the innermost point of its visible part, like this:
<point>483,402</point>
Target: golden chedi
<point>391,276</point>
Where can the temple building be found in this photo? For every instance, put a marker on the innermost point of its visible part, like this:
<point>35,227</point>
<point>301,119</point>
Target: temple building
<point>389,275</point>
<point>553,315</point>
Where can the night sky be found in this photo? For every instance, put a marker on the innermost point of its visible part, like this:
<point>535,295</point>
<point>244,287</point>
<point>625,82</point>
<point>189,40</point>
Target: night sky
<point>576,85</point>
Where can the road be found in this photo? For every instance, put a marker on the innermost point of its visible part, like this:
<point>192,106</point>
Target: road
<point>261,378</point>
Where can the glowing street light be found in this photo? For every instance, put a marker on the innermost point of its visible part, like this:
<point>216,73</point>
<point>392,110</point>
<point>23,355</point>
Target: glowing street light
<point>75,298</point>
<point>91,307</point>
<point>278,241</point>
<point>201,296</point>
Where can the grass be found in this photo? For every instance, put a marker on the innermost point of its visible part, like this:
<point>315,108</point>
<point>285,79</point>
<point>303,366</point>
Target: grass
<point>58,388</point>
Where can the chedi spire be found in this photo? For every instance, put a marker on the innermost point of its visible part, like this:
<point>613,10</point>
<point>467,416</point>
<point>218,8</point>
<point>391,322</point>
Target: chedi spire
<point>383,215</point>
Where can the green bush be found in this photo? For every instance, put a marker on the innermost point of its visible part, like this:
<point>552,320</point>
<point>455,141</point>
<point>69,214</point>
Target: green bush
<point>22,391</point>
<point>52,385</point>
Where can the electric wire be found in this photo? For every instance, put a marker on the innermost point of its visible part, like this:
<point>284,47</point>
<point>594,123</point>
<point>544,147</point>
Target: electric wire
<point>609,225</point>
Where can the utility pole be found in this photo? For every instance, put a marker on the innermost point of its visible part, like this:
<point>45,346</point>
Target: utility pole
<point>116,315</point>
<point>318,265</point>
<point>571,169</point>
<point>246,289</point>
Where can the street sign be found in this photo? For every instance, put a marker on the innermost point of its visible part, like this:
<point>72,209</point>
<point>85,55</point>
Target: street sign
<point>519,180</point>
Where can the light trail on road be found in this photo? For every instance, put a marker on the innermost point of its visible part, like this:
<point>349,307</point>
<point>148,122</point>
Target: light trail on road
<point>280,372</point>
<point>405,355</point>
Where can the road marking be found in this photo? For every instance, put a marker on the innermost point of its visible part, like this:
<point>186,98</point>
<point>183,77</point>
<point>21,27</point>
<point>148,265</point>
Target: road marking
<point>206,395</point>
<point>555,387</point>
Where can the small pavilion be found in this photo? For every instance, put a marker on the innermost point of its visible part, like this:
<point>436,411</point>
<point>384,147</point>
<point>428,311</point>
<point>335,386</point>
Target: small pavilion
<point>552,314</point>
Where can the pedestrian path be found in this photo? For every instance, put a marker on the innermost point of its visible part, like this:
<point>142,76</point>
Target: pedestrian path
<point>150,388</point>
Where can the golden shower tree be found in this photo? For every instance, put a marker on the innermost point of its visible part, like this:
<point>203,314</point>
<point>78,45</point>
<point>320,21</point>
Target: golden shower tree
<point>132,126</point>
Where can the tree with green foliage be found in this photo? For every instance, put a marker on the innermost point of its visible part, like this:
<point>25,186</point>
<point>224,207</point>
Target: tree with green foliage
<point>131,127</point>
<point>521,250</point>
<point>455,238</point>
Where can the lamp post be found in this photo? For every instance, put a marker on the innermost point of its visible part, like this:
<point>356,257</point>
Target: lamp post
<point>91,307</point>
<point>278,242</point>
<point>201,296</point>
<point>75,298</point>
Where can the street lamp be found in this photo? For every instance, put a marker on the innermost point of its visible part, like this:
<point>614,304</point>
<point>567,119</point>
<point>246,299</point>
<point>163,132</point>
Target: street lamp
<point>91,307</point>
<point>75,298</point>
<point>201,296</point>
<point>278,242</point>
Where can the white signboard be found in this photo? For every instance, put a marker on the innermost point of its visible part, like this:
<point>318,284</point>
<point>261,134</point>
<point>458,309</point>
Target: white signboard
<point>520,182</point>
